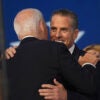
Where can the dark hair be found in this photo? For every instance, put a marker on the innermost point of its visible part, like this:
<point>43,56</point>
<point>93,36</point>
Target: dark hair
<point>66,12</point>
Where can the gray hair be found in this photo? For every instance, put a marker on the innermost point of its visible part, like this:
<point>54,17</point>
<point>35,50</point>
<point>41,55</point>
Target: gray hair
<point>26,24</point>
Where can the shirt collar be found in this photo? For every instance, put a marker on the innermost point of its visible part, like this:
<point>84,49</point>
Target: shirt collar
<point>71,49</point>
<point>27,36</point>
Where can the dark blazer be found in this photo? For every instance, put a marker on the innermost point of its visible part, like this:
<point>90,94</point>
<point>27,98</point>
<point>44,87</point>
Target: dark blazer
<point>98,81</point>
<point>74,95</point>
<point>39,61</point>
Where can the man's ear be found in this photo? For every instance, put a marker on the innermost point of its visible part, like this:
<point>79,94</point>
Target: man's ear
<point>43,30</point>
<point>41,26</point>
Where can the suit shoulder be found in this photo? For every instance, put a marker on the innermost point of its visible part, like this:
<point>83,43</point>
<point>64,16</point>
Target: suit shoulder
<point>53,43</point>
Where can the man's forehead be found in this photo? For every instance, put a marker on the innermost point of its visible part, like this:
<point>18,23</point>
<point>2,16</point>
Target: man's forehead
<point>59,18</point>
<point>62,16</point>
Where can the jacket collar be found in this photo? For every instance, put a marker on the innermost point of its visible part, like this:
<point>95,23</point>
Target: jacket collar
<point>28,39</point>
<point>77,52</point>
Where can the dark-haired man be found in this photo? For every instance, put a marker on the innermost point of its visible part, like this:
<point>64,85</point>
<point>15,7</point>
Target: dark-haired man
<point>64,28</point>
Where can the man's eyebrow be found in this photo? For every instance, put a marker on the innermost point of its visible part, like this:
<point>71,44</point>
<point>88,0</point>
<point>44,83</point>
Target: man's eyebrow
<point>64,28</point>
<point>53,27</point>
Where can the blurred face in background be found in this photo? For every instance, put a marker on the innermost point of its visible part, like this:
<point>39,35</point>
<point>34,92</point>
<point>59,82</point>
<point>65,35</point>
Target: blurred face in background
<point>62,31</point>
<point>94,52</point>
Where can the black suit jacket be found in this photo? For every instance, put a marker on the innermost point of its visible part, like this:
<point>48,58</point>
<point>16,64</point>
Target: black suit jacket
<point>98,81</point>
<point>74,95</point>
<point>39,61</point>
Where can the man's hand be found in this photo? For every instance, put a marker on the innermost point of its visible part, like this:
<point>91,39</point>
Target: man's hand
<point>89,57</point>
<point>9,53</point>
<point>53,92</point>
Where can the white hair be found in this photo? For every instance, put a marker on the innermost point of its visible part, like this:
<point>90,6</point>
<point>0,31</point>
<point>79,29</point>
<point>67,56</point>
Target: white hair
<point>27,21</point>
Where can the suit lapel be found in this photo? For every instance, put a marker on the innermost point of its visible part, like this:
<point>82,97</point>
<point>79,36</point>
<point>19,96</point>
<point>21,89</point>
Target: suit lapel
<point>76,53</point>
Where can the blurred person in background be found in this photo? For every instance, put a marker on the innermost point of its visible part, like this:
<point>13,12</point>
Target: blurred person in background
<point>0,60</point>
<point>1,92</point>
<point>95,50</point>
<point>0,78</point>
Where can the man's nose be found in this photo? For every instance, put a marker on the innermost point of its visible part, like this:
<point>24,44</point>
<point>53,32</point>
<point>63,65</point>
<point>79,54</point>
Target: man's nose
<point>58,34</point>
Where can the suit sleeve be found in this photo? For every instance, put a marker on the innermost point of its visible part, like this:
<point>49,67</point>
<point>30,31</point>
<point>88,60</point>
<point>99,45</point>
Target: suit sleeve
<point>72,74</point>
<point>12,73</point>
